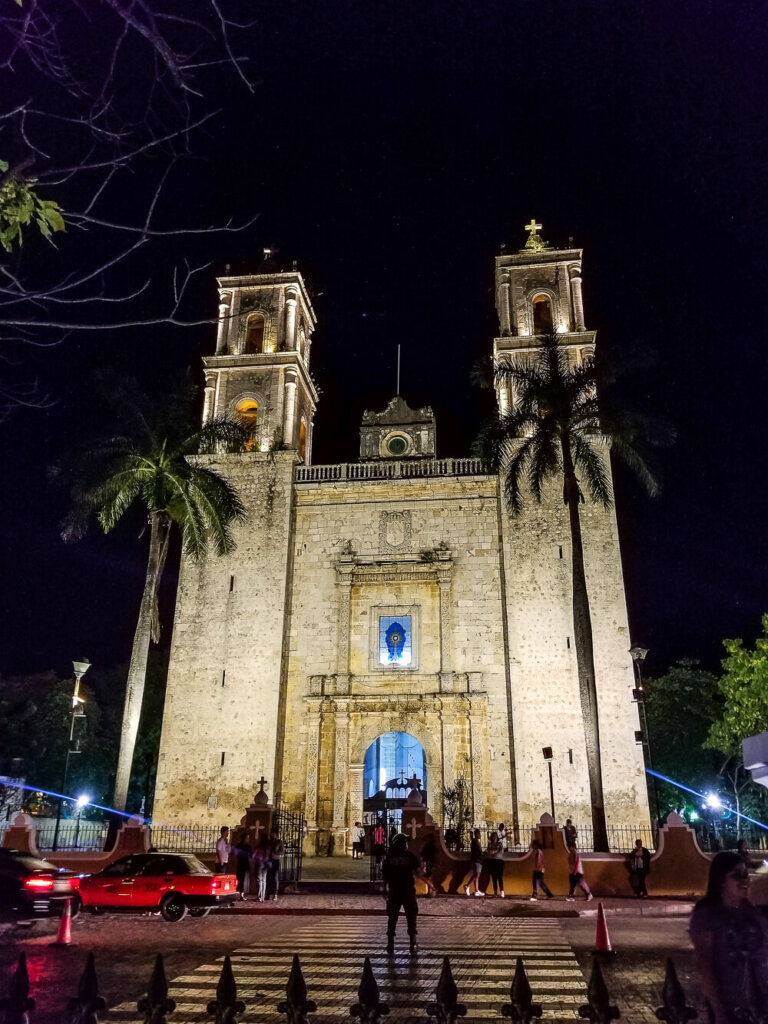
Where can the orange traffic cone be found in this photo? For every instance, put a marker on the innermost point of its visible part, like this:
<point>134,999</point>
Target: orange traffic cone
<point>602,941</point>
<point>64,938</point>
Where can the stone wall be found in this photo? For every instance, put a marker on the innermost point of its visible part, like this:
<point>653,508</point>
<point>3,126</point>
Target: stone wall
<point>542,664</point>
<point>224,676</point>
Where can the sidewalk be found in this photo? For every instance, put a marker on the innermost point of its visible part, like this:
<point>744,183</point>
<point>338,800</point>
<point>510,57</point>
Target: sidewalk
<point>461,906</point>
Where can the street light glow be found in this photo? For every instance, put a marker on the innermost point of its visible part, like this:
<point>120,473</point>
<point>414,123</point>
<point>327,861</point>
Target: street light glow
<point>714,801</point>
<point>83,800</point>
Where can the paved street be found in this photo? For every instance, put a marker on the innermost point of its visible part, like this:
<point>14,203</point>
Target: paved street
<point>333,934</point>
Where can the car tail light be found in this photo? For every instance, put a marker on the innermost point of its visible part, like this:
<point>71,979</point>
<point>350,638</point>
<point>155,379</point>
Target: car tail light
<point>215,886</point>
<point>37,884</point>
<point>74,881</point>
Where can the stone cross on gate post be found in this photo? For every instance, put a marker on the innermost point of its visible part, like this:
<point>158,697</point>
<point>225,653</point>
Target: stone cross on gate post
<point>401,777</point>
<point>261,783</point>
<point>412,827</point>
<point>533,226</point>
<point>257,829</point>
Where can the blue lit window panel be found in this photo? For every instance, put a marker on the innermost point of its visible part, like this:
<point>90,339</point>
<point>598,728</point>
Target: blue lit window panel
<point>395,641</point>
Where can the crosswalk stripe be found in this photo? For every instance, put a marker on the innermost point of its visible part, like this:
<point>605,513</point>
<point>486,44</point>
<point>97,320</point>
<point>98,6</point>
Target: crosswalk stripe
<point>332,958</point>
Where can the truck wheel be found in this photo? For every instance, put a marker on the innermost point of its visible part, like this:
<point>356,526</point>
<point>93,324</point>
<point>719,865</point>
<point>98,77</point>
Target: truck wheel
<point>199,911</point>
<point>173,907</point>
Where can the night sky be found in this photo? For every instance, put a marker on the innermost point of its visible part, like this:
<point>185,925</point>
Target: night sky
<point>390,148</point>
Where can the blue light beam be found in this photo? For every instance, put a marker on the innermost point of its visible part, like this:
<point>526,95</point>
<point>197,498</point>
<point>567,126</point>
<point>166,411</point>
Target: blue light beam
<point>703,796</point>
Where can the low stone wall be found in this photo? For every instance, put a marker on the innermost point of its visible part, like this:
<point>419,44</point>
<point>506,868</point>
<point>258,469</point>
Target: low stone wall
<point>133,837</point>
<point>678,868</point>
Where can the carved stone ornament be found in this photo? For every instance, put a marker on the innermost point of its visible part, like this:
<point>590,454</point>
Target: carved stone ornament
<point>395,531</point>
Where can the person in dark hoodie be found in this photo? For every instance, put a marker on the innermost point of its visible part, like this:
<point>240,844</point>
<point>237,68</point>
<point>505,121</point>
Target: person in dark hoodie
<point>399,872</point>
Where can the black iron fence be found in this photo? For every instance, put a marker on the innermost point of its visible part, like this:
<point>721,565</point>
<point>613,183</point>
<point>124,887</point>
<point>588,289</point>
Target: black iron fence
<point>73,835</point>
<point>621,838</point>
<point>180,839</point>
<point>290,827</point>
<point>157,1005</point>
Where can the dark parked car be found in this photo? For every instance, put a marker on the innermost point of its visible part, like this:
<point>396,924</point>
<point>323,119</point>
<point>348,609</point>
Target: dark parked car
<point>172,883</point>
<point>30,885</point>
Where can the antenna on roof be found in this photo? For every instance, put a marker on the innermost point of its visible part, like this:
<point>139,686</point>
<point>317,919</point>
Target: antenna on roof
<point>398,371</point>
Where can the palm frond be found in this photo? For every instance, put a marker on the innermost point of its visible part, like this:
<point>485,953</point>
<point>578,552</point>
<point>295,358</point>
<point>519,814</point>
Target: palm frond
<point>592,469</point>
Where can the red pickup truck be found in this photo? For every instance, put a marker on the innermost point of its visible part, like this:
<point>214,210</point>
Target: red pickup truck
<point>173,883</point>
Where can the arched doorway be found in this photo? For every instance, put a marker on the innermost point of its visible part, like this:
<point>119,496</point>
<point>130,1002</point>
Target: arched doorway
<point>392,757</point>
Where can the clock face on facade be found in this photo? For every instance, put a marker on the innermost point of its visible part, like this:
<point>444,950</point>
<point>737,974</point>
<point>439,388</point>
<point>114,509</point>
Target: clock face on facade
<point>396,445</point>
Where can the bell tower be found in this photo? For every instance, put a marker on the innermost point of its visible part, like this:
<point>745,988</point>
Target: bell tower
<point>260,373</point>
<point>538,291</point>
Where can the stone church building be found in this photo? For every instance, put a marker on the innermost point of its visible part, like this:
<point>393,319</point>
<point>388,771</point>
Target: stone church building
<point>393,595</point>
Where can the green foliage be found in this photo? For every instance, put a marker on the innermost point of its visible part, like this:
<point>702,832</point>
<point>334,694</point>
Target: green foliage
<point>681,707</point>
<point>35,723</point>
<point>744,691</point>
<point>20,206</point>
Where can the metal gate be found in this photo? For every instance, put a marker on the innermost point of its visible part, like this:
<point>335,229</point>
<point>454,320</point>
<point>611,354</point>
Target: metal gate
<point>380,827</point>
<point>290,826</point>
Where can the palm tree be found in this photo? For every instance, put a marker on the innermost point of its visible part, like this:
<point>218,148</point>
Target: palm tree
<point>150,465</point>
<point>555,429</point>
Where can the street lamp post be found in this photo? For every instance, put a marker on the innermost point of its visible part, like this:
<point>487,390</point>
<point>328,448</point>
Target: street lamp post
<point>638,655</point>
<point>80,668</point>
<point>549,757</point>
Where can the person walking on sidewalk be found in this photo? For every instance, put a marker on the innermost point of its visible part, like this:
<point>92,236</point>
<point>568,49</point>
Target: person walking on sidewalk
<point>276,850</point>
<point>399,870</point>
<point>538,872</point>
<point>223,851</point>
<point>576,874</point>
<point>494,858</point>
<point>570,832</point>
<point>476,864</point>
<point>639,862</point>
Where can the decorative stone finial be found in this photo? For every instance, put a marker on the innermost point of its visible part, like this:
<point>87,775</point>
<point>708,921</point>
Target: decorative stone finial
<point>446,1006</point>
<point>156,1004</point>
<point>18,1000</point>
<point>598,1009</point>
<point>675,1009</point>
<point>226,1007</point>
<point>296,1006</point>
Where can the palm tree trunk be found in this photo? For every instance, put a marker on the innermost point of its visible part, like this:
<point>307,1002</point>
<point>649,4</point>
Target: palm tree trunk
<point>585,654</point>
<point>137,670</point>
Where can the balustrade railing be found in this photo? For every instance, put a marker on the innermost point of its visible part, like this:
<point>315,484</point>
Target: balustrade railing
<point>390,470</point>
<point>156,1006</point>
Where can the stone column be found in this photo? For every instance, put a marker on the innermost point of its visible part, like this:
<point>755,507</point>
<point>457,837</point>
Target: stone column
<point>344,571</point>
<point>355,796</point>
<point>504,321</point>
<point>209,397</point>
<point>448,729</point>
<point>478,745</point>
<point>339,825</point>
<point>221,337</point>
<point>290,408</point>
<point>578,302</point>
<point>290,321</point>
<point>310,798</point>
<point>446,654</point>
<point>503,397</point>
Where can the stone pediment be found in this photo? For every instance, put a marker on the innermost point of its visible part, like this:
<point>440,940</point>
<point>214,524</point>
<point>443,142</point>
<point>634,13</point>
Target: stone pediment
<point>398,413</point>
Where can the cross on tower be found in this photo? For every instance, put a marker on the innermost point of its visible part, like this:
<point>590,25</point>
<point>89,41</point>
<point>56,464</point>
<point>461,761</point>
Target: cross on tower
<point>401,779</point>
<point>533,226</point>
<point>262,782</point>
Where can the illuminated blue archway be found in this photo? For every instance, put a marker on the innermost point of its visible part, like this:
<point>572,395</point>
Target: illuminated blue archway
<point>393,755</point>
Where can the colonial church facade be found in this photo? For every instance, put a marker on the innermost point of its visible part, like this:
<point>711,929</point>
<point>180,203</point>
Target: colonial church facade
<point>393,595</point>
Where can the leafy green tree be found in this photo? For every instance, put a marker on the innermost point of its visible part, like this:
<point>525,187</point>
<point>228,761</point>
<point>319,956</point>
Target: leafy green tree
<point>681,707</point>
<point>20,206</point>
<point>152,465</point>
<point>743,689</point>
<point>555,429</point>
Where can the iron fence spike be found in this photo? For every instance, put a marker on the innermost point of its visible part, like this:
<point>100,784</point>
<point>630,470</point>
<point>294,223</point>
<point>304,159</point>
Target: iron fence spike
<point>226,1007</point>
<point>521,1007</point>
<point>85,1008</point>
<point>675,1009</point>
<point>446,1006</point>
<point>368,1008</point>
<point>156,1004</point>
<point>18,1001</point>
<point>296,1006</point>
<point>598,1008</point>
